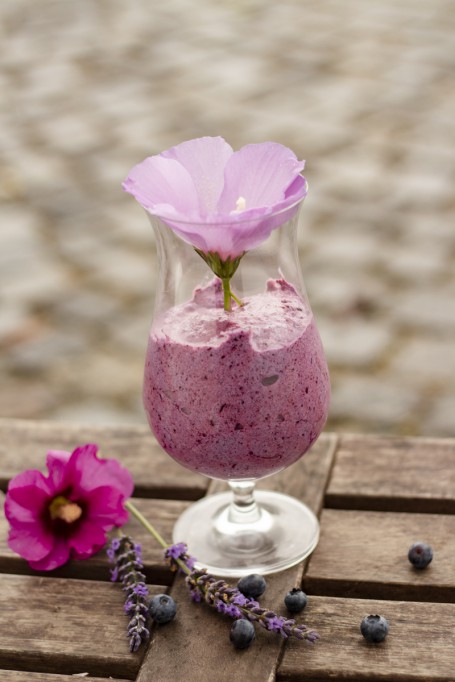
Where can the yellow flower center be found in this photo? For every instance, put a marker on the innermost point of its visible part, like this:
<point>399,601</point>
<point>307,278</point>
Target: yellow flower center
<point>61,508</point>
<point>240,205</point>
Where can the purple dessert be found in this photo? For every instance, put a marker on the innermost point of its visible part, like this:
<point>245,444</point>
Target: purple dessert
<point>237,395</point>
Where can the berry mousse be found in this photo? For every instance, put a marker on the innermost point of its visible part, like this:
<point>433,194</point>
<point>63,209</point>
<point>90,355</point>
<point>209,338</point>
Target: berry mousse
<point>240,394</point>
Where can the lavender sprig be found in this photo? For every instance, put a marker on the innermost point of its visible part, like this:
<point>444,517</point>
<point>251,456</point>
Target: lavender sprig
<point>229,600</point>
<point>126,555</point>
<point>176,555</point>
<point>219,594</point>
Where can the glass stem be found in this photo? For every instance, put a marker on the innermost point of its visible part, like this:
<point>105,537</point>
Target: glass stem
<point>243,508</point>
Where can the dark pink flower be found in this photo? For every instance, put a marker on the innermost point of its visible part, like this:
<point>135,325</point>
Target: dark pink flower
<point>67,513</point>
<point>218,200</point>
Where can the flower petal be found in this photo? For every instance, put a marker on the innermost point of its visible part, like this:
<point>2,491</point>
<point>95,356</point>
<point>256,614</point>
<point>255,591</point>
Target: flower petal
<point>26,497</point>
<point>261,174</point>
<point>58,556</point>
<point>88,539</point>
<point>88,471</point>
<point>25,504</point>
<point>32,542</point>
<point>105,507</point>
<point>200,235</point>
<point>251,227</point>
<point>31,477</point>
<point>246,236</point>
<point>56,462</point>
<point>163,187</point>
<point>205,159</point>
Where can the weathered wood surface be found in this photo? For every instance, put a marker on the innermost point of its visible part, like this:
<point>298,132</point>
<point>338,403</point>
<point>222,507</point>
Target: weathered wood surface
<point>364,554</point>
<point>23,445</point>
<point>394,474</point>
<point>420,646</point>
<point>54,626</point>
<point>202,635</point>
<point>21,676</point>
<point>196,646</point>
<point>65,626</point>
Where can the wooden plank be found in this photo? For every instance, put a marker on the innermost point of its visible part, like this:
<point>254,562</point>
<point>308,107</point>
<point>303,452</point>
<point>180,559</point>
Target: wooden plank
<point>196,645</point>
<point>395,474</point>
<point>420,646</point>
<point>65,626</point>
<point>364,554</point>
<point>162,513</point>
<point>24,444</point>
<point>21,676</point>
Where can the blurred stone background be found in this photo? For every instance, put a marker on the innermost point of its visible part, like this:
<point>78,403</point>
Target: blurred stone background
<point>363,90</point>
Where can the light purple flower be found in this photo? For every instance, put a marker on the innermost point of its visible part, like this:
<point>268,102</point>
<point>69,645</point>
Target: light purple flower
<point>218,200</point>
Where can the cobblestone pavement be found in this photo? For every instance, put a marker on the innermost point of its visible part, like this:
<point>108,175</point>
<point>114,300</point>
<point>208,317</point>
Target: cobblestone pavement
<point>362,90</point>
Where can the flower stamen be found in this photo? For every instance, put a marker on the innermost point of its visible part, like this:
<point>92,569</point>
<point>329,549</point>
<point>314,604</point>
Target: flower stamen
<point>61,508</point>
<point>240,205</point>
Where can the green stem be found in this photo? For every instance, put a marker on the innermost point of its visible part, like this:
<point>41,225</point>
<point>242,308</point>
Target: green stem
<point>148,526</point>
<point>236,299</point>
<point>224,269</point>
<point>227,293</point>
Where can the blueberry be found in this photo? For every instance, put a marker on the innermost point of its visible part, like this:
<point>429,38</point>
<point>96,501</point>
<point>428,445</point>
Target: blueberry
<point>374,628</point>
<point>162,608</point>
<point>420,555</point>
<point>295,600</point>
<point>242,633</point>
<point>252,585</point>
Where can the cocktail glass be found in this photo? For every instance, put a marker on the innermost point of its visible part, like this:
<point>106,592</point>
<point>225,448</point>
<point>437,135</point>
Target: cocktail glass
<point>237,395</point>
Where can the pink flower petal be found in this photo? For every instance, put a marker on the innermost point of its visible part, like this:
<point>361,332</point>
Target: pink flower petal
<point>56,462</point>
<point>248,235</point>
<point>86,540</point>
<point>205,159</point>
<point>192,233</point>
<point>163,187</point>
<point>25,504</point>
<point>248,229</point>
<point>261,174</point>
<point>87,472</point>
<point>30,542</point>
<point>58,556</point>
<point>31,477</point>
<point>105,507</point>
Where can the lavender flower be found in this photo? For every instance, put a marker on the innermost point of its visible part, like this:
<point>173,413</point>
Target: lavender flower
<point>178,554</point>
<point>217,593</point>
<point>126,555</point>
<point>228,600</point>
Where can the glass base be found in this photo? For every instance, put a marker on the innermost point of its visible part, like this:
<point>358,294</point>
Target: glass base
<point>275,533</point>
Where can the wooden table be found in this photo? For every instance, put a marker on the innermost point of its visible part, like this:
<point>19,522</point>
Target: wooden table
<point>375,497</point>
